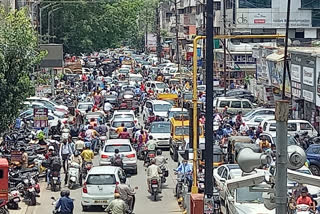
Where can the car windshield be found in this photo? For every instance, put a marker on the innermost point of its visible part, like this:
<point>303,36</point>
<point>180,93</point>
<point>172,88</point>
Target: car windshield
<point>160,128</point>
<point>182,130</point>
<point>85,106</point>
<point>129,116</point>
<point>162,107</point>
<point>248,114</point>
<point>291,140</point>
<point>127,124</point>
<point>187,96</point>
<point>122,148</point>
<point>243,195</point>
<point>178,113</point>
<point>138,79</point>
<point>124,71</point>
<point>161,85</point>
<point>104,179</point>
<point>201,88</point>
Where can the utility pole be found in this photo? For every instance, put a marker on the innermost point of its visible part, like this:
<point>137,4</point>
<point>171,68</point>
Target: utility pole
<point>146,38</point>
<point>177,38</point>
<point>158,33</point>
<point>209,185</point>
<point>282,111</point>
<point>224,48</point>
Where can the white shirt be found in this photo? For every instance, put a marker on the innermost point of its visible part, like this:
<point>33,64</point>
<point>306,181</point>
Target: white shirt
<point>153,171</point>
<point>107,106</point>
<point>244,128</point>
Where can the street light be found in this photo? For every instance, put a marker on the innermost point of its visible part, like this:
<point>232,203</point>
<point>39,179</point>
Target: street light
<point>49,21</point>
<point>40,15</point>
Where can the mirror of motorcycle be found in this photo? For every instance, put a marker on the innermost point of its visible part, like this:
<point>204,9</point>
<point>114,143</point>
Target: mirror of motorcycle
<point>136,188</point>
<point>53,198</point>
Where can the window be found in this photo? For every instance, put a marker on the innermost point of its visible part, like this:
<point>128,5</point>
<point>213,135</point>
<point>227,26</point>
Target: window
<point>220,170</point>
<point>229,4</point>
<point>224,104</point>
<point>1,174</point>
<point>305,126</point>
<point>310,4</point>
<point>217,5</point>
<point>148,105</point>
<point>101,180</point>
<point>316,150</point>
<point>315,18</point>
<point>122,148</point>
<point>236,104</point>
<point>246,104</point>
<point>254,3</point>
<point>292,127</point>
<point>224,174</point>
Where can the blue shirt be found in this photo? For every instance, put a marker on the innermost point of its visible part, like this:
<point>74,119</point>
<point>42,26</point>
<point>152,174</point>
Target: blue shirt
<point>184,168</point>
<point>66,205</point>
<point>227,131</point>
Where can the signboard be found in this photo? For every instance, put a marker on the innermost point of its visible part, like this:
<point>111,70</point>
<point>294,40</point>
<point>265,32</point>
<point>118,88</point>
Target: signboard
<point>308,75</point>
<point>296,73</point>
<point>42,90</point>
<point>272,18</point>
<point>307,95</point>
<point>40,117</point>
<point>208,206</point>
<point>16,156</point>
<point>54,57</point>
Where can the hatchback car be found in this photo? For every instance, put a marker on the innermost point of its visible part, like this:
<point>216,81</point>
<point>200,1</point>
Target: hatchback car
<point>161,132</point>
<point>126,150</point>
<point>84,106</point>
<point>313,155</point>
<point>99,186</point>
<point>124,114</point>
<point>115,123</point>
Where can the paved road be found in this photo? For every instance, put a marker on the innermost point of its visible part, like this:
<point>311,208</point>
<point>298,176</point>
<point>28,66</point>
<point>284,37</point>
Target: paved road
<point>144,205</point>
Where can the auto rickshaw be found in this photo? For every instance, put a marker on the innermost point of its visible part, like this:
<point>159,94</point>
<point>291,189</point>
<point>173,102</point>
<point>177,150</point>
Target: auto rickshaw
<point>4,188</point>
<point>218,157</point>
<point>235,144</point>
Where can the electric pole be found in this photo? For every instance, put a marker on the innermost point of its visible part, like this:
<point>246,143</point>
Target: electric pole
<point>224,48</point>
<point>146,37</point>
<point>209,108</point>
<point>158,34</point>
<point>177,38</point>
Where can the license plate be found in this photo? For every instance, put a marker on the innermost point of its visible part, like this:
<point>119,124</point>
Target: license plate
<point>31,189</point>
<point>16,200</point>
<point>100,201</point>
<point>55,178</point>
<point>154,185</point>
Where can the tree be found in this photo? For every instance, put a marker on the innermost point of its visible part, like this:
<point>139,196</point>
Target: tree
<point>19,53</point>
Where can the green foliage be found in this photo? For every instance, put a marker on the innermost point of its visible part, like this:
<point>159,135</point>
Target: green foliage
<point>18,54</point>
<point>92,26</point>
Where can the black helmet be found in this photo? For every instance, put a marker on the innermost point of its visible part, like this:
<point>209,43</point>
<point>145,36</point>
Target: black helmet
<point>123,179</point>
<point>159,152</point>
<point>116,151</point>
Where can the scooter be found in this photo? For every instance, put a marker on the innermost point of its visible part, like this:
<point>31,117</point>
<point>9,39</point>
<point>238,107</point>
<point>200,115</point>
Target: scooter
<point>303,209</point>
<point>154,188</point>
<point>13,199</point>
<point>73,175</point>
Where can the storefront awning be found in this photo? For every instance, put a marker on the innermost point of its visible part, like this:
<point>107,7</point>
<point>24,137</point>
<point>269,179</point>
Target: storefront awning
<point>275,57</point>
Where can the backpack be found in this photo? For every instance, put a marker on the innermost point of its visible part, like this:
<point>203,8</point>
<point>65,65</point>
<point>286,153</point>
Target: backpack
<point>117,161</point>
<point>56,164</point>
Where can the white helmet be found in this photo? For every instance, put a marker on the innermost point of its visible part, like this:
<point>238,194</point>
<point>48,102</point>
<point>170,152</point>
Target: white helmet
<point>51,148</point>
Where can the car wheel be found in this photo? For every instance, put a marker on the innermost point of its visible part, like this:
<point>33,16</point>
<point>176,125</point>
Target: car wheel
<point>85,208</point>
<point>315,169</point>
<point>175,156</point>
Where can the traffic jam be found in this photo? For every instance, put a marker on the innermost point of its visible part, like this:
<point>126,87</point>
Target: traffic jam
<point>113,134</point>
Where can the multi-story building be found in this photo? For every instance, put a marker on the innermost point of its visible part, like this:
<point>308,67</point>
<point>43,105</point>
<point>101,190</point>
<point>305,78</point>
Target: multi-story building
<point>7,4</point>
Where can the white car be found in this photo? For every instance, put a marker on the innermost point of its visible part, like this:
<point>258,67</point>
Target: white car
<point>84,106</point>
<point>135,78</point>
<point>33,105</point>
<point>256,112</point>
<point>161,132</point>
<point>126,150</point>
<point>173,112</point>
<point>50,103</point>
<point>124,114</point>
<point>157,107</point>
<point>99,186</point>
<point>116,122</point>
<point>254,120</point>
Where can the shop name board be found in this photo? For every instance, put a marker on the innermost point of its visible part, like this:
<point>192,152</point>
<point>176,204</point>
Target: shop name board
<point>308,76</point>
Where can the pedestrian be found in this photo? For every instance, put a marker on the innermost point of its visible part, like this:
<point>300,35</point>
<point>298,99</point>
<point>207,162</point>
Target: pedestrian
<point>65,153</point>
<point>24,159</point>
<point>65,204</point>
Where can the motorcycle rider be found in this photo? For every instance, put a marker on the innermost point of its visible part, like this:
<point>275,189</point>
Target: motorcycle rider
<point>87,154</point>
<point>154,172</point>
<point>186,169</point>
<point>126,193</point>
<point>117,206</point>
<point>65,204</point>
<point>76,158</point>
<point>160,159</point>
<point>124,134</point>
<point>151,144</point>
<point>116,160</point>
<point>49,153</point>
<point>54,166</point>
<point>304,198</point>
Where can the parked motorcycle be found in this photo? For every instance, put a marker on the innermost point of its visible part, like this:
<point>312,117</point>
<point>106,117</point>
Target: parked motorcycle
<point>73,175</point>
<point>3,208</point>
<point>13,199</point>
<point>29,189</point>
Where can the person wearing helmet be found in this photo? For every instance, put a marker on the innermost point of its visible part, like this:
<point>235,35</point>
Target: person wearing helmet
<point>126,193</point>
<point>49,153</point>
<point>160,159</point>
<point>65,204</point>
<point>76,158</point>
<point>305,198</point>
<point>87,154</point>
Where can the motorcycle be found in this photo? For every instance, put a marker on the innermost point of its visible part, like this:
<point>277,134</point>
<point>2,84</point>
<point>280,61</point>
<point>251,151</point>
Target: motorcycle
<point>73,175</point>
<point>86,166</point>
<point>303,209</point>
<point>149,155</point>
<point>165,173</point>
<point>154,188</point>
<point>13,199</point>
<point>3,208</point>
<point>29,190</point>
<point>55,182</point>
<point>182,185</point>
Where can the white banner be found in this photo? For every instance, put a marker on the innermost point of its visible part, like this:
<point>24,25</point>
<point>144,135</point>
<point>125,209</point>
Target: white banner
<point>308,76</point>
<point>296,73</point>
<point>307,95</point>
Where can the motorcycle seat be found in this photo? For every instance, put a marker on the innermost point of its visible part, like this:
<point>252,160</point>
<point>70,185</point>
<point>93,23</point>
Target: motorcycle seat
<point>34,169</point>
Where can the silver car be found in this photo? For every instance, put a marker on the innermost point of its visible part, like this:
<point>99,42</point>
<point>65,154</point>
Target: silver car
<point>129,123</point>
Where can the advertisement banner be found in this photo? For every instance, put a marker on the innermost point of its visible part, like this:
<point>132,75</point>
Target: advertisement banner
<point>307,95</point>
<point>308,75</point>
<point>40,117</point>
<point>318,82</point>
<point>296,73</point>
<point>271,18</point>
